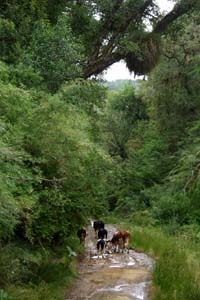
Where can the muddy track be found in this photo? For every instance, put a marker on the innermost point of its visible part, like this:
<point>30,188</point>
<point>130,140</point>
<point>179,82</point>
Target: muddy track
<point>117,276</point>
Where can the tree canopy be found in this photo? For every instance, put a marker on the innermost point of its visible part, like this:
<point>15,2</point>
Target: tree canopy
<point>109,30</point>
<point>115,30</point>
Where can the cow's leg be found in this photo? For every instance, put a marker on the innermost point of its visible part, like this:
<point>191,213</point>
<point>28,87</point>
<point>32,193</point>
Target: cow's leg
<point>117,248</point>
<point>127,249</point>
<point>99,252</point>
<point>121,245</point>
<point>127,245</point>
<point>82,239</point>
<point>103,250</point>
<point>98,248</point>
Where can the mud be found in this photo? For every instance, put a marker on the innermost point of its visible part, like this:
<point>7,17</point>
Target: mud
<point>116,276</point>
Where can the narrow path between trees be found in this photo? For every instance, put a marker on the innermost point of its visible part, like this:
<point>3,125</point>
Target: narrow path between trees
<point>117,276</point>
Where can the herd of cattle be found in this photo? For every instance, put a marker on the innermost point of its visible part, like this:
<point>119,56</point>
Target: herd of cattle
<point>119,241</point>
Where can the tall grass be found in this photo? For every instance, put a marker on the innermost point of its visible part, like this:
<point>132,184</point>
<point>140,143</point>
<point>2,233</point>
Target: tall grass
<point>175,276</point>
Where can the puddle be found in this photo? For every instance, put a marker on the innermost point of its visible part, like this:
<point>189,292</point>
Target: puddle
<point>112,277</point>
<point>137,291</point>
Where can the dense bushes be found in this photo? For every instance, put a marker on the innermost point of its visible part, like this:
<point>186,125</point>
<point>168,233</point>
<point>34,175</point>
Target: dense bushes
<point>52,178</point>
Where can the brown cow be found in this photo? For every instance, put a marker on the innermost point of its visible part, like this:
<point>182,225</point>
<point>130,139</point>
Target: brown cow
<point>121,240</point>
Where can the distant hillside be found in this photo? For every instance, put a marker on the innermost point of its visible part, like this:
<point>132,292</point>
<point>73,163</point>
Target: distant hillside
<point>120,83</point>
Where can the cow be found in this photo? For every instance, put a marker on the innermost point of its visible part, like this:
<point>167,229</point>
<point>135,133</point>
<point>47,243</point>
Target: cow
<point>102,233</point>
<point>97,225</point>
<point>81,233</point>
<point>120,240</point>
<point>101,246</point>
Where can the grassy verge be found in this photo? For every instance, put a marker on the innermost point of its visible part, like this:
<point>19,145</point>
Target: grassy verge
<point>176,275</point>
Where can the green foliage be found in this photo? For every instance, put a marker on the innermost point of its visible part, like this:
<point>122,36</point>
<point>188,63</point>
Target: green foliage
<point>4,295</point>
<point>14,105</point>
<point>22,76</point>
<point>108,30</point>
<point>87,95</point>
<point>124,110</point>
<point>145,166</point>
<point>54,53</point>
<point>53,175</point>
<point>10,48</point>
<point>19,263</point>
<point>172,207</point>
<point>8,214</point>
<point>58,136</point>
<point>173,87</point>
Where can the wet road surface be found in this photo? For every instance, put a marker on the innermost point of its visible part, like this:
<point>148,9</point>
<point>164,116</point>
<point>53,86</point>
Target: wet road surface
<point>116,276</point>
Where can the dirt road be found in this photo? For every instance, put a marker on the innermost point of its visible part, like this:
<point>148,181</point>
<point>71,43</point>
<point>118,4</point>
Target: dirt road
<point>117,276</point>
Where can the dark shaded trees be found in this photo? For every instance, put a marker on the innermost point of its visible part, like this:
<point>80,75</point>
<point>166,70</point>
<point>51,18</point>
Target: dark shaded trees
<point>173,86</point>
<point>124,110</point>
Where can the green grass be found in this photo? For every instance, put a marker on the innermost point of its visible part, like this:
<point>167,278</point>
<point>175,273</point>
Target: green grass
<point>176,275</point>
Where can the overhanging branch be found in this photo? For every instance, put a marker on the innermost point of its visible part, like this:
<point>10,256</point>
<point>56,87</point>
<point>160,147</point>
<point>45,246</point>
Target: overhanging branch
<point>102,55</point>
<point>179,10</point>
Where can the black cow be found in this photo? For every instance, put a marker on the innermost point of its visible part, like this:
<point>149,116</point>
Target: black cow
<point>81,233</point>
<point>102,233</point>
<point>98,225</point>
<point>101,246</point>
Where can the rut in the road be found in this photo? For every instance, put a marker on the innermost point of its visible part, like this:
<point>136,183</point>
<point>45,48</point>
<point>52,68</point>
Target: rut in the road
<point>116,277</point>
